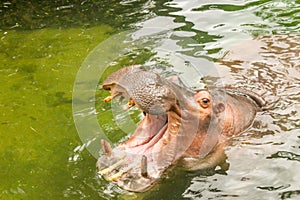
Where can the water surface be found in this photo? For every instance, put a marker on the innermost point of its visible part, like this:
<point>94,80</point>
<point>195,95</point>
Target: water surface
<point>41,52</point>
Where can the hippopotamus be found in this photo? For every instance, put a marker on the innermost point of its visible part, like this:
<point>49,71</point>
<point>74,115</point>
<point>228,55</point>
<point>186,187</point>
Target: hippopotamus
<point>180,125</point>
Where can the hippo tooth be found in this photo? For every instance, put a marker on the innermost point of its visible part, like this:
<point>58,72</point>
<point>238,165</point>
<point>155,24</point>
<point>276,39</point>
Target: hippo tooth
<point>111,168</point>
<point>118,174</point>
<point>111,97</point>
<point>108,99</point>
<point>130,104</point>
<point>144,172</point>
<point>106,148</point>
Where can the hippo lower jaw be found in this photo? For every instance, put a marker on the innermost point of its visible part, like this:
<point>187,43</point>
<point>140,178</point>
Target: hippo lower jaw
<point>138,163</point>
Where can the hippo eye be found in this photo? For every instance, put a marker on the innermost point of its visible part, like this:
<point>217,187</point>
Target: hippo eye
<point>205,102</point>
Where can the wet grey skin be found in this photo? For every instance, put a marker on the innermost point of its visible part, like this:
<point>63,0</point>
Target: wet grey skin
<point>179,126</point>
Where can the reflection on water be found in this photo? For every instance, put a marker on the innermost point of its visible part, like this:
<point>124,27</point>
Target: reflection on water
<point>259,45</point>
<point>258,53</point>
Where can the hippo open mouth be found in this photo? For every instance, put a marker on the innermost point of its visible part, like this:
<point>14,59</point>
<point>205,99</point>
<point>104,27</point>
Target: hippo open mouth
<point>159,140</point>
<point>177,124</point>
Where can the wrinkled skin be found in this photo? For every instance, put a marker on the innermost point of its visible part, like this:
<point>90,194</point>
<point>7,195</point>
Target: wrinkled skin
<point>179,126</point>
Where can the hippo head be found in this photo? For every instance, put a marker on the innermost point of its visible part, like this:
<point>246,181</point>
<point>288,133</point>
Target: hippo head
<point>175,125</point>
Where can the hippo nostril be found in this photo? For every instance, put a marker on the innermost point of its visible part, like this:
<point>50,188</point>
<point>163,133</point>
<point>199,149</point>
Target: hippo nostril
<point>106,148</point>
<point>144,171</point>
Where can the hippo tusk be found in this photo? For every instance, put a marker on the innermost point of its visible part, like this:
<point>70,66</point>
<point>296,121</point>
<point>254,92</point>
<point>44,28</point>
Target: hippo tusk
<point>130,104</point>
<point>108,99</point>
<point>118,174</point>
<point>112,167</point>
<point>106,148</point>
<point>144,171</point>
<point>111,97</point>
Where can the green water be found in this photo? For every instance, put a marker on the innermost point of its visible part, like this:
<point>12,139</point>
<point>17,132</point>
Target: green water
<point>38,69</point>
<point>42,47</point>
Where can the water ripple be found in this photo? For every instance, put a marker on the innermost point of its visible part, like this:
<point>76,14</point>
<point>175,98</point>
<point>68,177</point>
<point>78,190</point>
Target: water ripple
<point>285,154</point>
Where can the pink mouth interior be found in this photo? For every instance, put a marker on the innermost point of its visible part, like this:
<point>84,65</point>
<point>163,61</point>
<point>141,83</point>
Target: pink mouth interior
<point>147,141</point>
<point>150,130</point>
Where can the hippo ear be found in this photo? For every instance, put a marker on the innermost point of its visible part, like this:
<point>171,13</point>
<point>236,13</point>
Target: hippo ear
<point>220,107</point>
